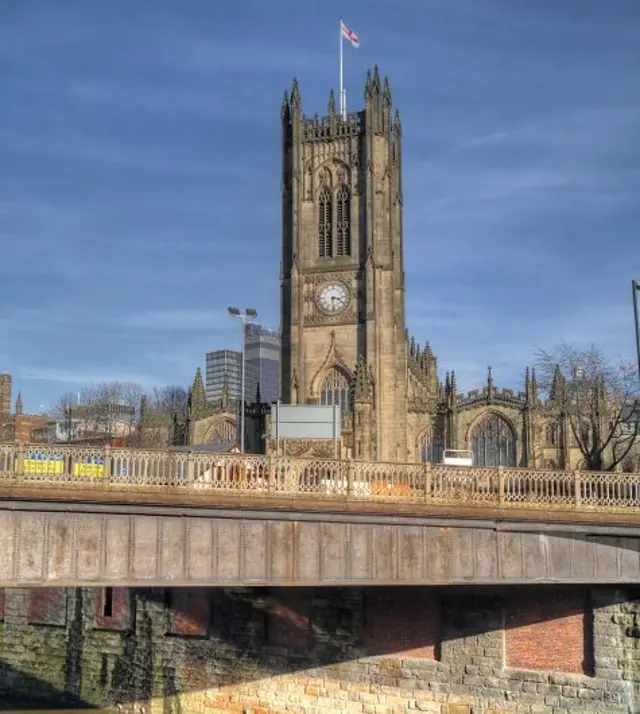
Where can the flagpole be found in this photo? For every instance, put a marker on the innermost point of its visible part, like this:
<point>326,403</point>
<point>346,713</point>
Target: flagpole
<point>342,102</point>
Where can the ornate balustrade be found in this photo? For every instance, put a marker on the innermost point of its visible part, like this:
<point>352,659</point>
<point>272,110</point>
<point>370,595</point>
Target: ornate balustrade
<point>285,475</point>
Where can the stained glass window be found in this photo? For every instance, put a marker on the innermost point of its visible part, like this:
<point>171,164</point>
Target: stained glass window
<point>493,442</point>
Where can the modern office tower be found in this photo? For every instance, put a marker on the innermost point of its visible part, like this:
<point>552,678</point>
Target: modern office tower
<point>262,363</point>
<point>223,368</point>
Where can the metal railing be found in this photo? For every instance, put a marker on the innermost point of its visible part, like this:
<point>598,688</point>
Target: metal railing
<point>52,465</point>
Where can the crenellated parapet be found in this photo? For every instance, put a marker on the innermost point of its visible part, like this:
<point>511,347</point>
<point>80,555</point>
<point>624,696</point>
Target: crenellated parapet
<point>490,394</point>
<point>318,128</point>
<point>476,396</point>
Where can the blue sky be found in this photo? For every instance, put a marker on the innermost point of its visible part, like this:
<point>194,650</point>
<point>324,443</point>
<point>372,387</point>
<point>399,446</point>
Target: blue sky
<point>139,175</point>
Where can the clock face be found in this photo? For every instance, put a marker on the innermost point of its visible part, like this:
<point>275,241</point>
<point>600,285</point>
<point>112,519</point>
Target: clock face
<point>333,298</point>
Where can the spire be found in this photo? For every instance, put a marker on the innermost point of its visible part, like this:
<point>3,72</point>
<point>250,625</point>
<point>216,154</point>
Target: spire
<point>258,395</point>
<point>454,384</point>
<point>332,103</point>
<point>295,94</point>
<point>376,80</point>
<point>413,346</point>
<point>397,126</point>
<point>557,385</point>
<point>368,86</point>
<point>386,92</point>
<point>489,384</point>
<point>362,391</point>
<point>428,352</point>
<point>225,394</point>
<point>19,404</point>
<point>534,387</point>
<point>285,109</point>
<point>198,395</point>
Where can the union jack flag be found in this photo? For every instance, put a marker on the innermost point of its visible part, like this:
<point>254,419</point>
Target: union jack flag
<point>349,35</point>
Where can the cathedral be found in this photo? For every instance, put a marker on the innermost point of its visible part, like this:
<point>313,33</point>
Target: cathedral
<point>343,326</point>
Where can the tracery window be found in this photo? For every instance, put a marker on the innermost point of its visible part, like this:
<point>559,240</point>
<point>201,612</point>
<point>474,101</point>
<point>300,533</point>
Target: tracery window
<point>325,223</point>
<point>551,434</point>
<point>335,390</point>
<point>224,432</point>
<point>493,442</point>
<point>343,221</point>
<point>431,446</point>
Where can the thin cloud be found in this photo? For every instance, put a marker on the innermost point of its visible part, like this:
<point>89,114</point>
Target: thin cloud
<point>81,376</point>
<point>178,320</point>
<point>141,183</point>
<point>79,148</point>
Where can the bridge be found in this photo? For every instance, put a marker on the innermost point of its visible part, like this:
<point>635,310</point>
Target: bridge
<point>76,516</point>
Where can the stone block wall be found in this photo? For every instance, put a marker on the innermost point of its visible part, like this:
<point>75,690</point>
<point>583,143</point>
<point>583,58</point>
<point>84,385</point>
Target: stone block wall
<point>314,651</point>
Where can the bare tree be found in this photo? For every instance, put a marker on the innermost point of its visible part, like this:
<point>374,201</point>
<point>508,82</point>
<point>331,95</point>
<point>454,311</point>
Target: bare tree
<point>100,410</point>
<point>63,414</point>
<point>599,399</point>
<point>111,408</point>
<point>164,417</point>
<point>121,409</point>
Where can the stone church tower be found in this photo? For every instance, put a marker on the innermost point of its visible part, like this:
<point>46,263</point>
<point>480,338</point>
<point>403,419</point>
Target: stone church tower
<point>342,277</point>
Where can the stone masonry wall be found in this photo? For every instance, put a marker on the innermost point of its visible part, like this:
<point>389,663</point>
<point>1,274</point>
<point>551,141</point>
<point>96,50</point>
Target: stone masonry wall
<point>372,651</point>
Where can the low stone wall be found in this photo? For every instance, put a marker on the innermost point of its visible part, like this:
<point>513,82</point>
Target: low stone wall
<point>375,651</point>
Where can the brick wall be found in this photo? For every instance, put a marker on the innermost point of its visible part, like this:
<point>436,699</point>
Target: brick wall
<point>5,395</point>
<point>548,629</point>
<point>48,606</point>
<point>377,651</point>
<point>113,609</point>
<point>289,614</point>
<point>402,622</point>
<point>190,612</point>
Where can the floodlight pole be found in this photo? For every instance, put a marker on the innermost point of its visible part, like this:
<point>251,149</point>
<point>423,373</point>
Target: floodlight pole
<point>635,289</point>
<point>245,317</point>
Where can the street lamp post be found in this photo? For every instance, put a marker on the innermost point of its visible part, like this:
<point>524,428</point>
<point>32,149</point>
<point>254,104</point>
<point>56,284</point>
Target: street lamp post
<point>635,288</point>
<point>247,316</point>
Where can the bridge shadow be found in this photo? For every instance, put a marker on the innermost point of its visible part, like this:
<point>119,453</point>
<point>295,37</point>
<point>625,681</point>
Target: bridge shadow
<point>167,642</point>
<point>21,691</point>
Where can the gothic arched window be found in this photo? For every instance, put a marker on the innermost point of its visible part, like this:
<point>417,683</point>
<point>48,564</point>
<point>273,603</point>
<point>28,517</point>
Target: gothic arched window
<point>325,223</point>
<point>224,432</point>
<point>493,442</point>
<point>335,390</point>
<point>343,221</point>
<point>551,435</point>
<point>431,446</point>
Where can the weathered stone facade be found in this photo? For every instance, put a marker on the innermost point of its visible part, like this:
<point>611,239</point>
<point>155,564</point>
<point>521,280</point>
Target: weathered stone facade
<point>377,651</point>
<point>344,336</point>
<point>342,281</point>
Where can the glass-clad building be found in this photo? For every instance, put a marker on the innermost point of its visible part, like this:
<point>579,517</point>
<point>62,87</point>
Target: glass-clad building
<point>223,366</point>
<point>262,363</point>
